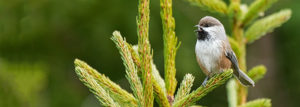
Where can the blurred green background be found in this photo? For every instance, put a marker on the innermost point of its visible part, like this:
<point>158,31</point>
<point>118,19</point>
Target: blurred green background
<point>39,40</point>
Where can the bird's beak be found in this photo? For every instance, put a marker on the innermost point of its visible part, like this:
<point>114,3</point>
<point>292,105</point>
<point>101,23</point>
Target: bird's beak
<point>199,28</point>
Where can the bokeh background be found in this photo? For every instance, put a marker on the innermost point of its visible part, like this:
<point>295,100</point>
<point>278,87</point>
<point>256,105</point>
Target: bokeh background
<point>39,40</point>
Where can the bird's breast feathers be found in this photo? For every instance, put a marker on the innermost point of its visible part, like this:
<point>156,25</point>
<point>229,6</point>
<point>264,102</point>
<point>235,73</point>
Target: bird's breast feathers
<point>208,54</point>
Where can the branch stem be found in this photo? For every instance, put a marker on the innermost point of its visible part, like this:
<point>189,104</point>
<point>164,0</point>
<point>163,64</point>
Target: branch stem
<point>170,47</point>
<point>238,34</point>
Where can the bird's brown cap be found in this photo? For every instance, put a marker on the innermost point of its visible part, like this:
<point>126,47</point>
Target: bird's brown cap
<point>209,21</point>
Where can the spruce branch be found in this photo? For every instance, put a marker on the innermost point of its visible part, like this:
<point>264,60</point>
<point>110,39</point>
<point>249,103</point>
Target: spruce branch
<point>101,94</point>
<point>257,7</point>
<point>231,87</point>
<point>234,9</point>
<point>116,92</point>
<point>197,106</point>
<point>211,5</point>
<point>267,24</point>
<point>200,92</point>
<point>170,46</point>
<point>235,1</point>
<point>263,102</point>
<point>156,76</point>
<point>145,50</point>
<point>185,87</point>
<point>159,88</point>
<point>244,10</point>
<point>135,55</point>
<point>158,82</point>
<point>160,95</point>
<point>131,70</point>
<point>257,72</point>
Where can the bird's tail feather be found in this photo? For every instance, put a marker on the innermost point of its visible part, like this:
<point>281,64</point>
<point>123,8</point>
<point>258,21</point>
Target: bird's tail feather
<point>244,78</point>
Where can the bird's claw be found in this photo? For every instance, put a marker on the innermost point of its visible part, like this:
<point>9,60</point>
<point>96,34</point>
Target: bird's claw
<point>205,81</point>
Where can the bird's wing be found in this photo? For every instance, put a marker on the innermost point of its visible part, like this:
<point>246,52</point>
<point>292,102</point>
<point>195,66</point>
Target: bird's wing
<point>231,56</point>
<point>241,76</point>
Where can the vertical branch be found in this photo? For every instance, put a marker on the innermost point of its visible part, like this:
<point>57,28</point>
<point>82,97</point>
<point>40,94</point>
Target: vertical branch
<point>159,88</point>
<point>145,51</point>
<point>170,47</point>
<point>232,93</point>
<point>131,69</point>
<point>238,34</point>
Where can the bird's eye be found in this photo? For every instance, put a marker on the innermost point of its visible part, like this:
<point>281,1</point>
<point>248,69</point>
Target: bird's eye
<point>206,25</point>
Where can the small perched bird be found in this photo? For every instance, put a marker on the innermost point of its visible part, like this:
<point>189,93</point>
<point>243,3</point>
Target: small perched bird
<point>214,53</point>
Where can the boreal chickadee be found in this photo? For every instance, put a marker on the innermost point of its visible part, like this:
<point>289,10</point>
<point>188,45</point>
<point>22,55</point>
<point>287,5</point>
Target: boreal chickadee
<point>214,53</point>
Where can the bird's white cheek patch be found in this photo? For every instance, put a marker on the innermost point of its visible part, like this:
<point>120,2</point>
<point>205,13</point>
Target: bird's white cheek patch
<point>211,30</point>
<point>215,31</point>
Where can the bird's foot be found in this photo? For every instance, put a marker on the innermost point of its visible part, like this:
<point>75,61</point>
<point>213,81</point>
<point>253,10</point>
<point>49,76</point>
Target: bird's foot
<point>205,81</point>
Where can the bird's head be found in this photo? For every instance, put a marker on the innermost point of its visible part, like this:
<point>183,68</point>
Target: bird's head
<point>209,28</point>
